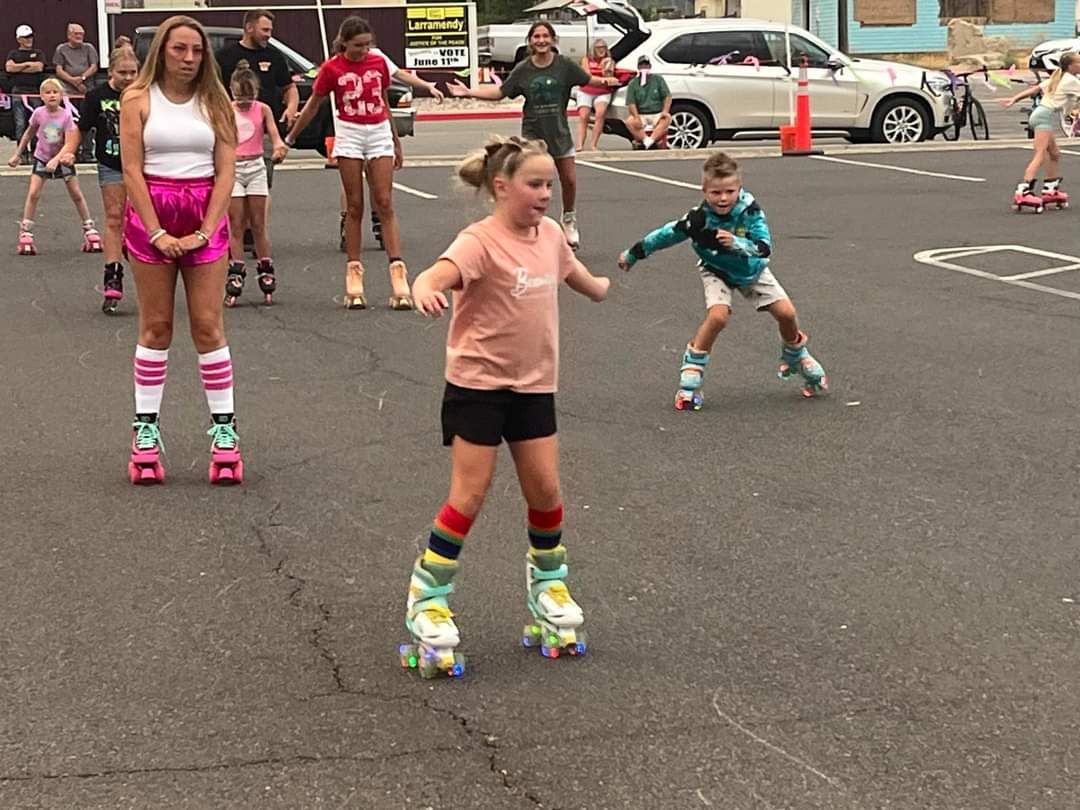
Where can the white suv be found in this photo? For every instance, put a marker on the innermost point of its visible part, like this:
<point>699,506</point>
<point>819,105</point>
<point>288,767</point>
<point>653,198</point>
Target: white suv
<point>728,79</point>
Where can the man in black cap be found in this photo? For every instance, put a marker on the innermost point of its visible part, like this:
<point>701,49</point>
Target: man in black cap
<point>649,103</point>
<point>26,66</point>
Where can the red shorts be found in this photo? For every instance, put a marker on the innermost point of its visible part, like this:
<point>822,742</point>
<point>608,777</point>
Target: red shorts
<point>180,206</point>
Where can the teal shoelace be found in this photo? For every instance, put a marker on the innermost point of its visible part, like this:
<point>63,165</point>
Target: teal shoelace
<point>224,436</point>
<point>147,436</point>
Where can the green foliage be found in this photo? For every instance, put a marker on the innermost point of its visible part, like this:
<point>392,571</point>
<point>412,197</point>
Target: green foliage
<point>501,11</point>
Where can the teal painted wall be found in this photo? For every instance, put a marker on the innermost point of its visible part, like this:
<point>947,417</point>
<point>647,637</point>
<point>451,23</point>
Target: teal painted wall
<point>928,35</point>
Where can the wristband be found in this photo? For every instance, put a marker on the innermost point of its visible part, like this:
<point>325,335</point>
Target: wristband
<point>202,235</point>
<point>160,232</point>
<point>289,142</point>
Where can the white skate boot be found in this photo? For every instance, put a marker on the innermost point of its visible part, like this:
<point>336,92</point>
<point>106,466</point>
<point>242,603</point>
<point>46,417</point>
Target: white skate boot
<point>430,623</point>
<point>556,616</point>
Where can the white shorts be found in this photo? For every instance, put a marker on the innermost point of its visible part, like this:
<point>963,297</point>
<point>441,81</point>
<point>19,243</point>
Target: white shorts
<point>764,292</point>
<point>363,141</point>
<point>583,99</point>
<point>251,179</point>
<point>650,120</point>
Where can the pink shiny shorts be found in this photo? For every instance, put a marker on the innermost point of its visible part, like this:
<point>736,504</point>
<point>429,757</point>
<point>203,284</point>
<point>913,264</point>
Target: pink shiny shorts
<point>180,206</point>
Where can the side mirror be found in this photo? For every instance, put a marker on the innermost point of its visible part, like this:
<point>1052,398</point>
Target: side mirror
<point>835,64</point>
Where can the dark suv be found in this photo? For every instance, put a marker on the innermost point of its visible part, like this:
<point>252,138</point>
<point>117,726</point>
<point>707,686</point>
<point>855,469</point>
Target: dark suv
<point>303,72</point>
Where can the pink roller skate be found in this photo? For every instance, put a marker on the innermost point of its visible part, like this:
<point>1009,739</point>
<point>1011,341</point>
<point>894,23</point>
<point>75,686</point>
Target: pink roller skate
<point>91,238</point>
<point>225,464</point>
<point>26,245</point>
<point>1052,193</point>
<point>145,464</point>
<point>1025,197</point>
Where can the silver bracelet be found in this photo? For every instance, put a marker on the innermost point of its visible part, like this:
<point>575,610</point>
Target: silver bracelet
<point>202,235</point>
<point>160,232</point>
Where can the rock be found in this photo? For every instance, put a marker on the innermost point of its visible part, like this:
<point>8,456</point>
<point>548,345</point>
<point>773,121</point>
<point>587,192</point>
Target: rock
<point>967,44</point>
<point>964,38</point>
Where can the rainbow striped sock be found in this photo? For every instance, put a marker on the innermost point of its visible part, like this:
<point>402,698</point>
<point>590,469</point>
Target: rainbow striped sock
<point>545,528</point>
<point>447,534</point>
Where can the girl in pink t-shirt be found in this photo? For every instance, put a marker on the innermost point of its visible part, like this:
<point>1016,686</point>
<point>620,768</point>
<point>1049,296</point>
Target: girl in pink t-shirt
<point>502,363</point>
<point>251,190</point>
<point>364,141</point>
<point>51,123</point>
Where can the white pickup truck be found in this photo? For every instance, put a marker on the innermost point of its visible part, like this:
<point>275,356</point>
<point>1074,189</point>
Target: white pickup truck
<point>501,46</point>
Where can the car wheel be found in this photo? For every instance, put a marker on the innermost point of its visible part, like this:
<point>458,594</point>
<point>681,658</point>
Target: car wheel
<point>900,120</point>
<point>689,129</point>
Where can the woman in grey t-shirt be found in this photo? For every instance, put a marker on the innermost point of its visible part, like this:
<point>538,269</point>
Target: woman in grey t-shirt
<point>546,80</point>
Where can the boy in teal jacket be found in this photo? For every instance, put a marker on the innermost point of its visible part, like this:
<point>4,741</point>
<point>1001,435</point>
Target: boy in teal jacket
<point>731,238</point>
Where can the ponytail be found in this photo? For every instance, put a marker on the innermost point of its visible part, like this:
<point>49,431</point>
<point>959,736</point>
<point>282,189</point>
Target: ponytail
<point>1055,79</point>
<point>500,156</point>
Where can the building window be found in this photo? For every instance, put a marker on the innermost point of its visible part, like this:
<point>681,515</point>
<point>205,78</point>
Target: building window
<point>886,12</point>
<point>998,11</point>
<point>1021,11</point>
<point>977,10</point>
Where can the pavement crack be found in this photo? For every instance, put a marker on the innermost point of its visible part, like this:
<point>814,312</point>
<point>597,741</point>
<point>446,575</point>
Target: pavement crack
<point>298,759</point>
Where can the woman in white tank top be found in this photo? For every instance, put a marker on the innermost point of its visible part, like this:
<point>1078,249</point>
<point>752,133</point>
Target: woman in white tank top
<point>178,138</point>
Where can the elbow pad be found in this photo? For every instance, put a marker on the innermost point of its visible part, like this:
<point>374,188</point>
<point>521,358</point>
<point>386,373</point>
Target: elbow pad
<point>764,251</point>
<point>638,250</point>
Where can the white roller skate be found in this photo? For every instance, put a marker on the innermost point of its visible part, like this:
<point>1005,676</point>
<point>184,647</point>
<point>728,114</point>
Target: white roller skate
<point>91,238</point>
<point>570,229</point>
<point>26,246</point>
<point>556,616</point>
<point>689,397</point>
<point>795,359</point>
<point>430,623</point>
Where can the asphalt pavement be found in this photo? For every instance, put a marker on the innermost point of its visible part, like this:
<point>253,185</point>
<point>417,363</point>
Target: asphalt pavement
<point>867,600</point>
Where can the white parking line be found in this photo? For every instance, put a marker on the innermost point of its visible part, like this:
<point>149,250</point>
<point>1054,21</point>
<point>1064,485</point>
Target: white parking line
<point>1037,273</point>
<point>655,178</point>
<point>904,169</point>
<point>423,195</point>
<point>942,257</point>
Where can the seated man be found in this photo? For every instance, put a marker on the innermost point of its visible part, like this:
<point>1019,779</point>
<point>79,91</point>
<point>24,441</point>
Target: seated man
<point>649,102</point>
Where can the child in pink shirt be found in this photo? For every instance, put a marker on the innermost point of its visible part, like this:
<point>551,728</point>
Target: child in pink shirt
<point>502,366</point>
<point>51,123</point>
<point>251,189</point>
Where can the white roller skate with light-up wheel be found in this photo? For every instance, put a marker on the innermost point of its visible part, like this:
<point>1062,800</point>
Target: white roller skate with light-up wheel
<point>431,623</point>
<point>556,616</point>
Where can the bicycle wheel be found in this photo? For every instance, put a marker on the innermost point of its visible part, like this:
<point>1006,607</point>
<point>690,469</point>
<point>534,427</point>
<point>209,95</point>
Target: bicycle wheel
<point>952,132</point>
<point>980,127</point>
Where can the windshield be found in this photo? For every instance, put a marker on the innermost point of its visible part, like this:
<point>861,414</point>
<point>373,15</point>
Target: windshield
<point>303,63</point>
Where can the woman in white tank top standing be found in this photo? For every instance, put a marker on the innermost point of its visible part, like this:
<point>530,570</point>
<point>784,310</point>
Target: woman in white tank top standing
<point>178,138</point>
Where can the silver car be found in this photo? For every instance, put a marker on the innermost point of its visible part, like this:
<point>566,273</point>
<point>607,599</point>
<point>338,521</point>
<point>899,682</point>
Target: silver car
<point>728,79</point>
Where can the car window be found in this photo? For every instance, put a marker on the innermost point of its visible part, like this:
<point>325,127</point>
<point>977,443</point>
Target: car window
<point>679,51</point>
<point>816,56</point>
<point>721,47</point>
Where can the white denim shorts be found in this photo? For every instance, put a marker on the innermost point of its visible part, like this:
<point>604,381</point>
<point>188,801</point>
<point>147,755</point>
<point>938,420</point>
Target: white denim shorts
<point>583,99</point>
<point>251,179</point>
<point>363,141</point>
<point>764,292</point>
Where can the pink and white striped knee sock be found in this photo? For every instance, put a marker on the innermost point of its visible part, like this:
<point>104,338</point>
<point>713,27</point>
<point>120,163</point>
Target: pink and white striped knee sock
<point>215,368</point>
<point>150,368</point>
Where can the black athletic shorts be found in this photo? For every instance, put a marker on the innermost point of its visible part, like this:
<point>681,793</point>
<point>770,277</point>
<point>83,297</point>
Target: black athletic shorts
<point>488,417</point>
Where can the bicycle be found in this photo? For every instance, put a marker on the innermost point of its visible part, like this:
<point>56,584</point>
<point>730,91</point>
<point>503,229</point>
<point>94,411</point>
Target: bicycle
<point>967,110</point>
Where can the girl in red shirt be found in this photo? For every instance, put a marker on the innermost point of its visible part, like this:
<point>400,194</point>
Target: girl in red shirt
<point>364,139</point>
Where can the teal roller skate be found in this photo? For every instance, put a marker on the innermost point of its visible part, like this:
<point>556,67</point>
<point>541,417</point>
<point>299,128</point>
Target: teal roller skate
<point>688,397</point>
<point>430,623</point>
<point>556,616</point>
<point>795,359</point>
